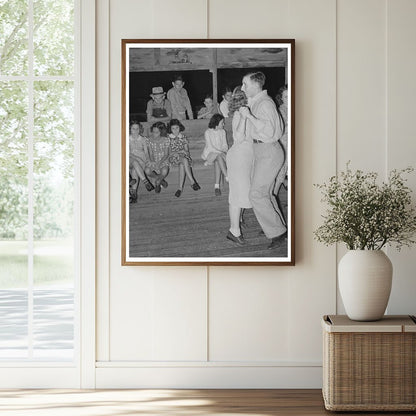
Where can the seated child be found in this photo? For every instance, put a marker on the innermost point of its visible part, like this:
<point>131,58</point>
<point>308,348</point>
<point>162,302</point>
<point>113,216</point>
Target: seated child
<point>216,149</point>
<point>157,157</point>
<point>209,108</point>
<point>180,156</point>
<point>137,160</point>
<point>158,108</point>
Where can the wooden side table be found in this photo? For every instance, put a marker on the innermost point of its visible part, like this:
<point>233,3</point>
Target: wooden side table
<point>369,366</point>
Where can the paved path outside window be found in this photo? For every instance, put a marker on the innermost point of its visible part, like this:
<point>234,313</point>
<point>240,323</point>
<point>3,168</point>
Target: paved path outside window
<point>53,324</point>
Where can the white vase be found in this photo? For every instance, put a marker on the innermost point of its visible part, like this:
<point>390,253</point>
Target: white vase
<point>364,278</point>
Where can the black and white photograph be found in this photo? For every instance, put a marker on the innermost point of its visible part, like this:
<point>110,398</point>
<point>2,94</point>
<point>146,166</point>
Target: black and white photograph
<point>208,152</point>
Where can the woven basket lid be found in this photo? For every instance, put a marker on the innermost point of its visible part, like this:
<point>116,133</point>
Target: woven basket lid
<point>389,323</point>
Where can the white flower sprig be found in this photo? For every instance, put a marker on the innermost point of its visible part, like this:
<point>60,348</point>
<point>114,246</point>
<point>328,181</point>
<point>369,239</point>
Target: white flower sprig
<point>365,215</point>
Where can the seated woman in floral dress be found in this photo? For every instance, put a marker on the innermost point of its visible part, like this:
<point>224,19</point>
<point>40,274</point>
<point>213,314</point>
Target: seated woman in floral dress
<point>180,156</point>
<point>157,162</point>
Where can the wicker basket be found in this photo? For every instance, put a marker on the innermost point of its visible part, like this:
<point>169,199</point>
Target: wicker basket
<point>369,366</point>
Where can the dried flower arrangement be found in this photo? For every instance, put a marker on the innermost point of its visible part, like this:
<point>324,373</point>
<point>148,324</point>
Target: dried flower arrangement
<point>366,215</point>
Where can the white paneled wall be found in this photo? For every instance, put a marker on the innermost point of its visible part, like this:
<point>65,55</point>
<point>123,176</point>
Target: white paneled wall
<point>254,325</point>
<point>241,20</point>
<point>248,326</point>
<point>401,132</point>
<point>163,316</point>
<point>361,84</point>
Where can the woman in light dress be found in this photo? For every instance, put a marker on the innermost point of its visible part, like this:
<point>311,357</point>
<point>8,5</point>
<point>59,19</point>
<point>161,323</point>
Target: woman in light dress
<point>239,167</point>
<point>281,99</point>
<point>215,149</point>
<point>281,179</point>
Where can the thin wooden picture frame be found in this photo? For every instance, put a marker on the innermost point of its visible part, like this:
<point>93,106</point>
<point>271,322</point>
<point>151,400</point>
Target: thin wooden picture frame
<point>200,154</point>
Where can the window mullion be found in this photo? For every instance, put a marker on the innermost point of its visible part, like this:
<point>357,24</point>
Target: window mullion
<point>30,178</point>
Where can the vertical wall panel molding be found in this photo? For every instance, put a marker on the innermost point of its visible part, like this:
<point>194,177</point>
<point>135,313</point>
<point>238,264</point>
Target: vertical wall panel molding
<point>103,173</point>
<point>208,358</point>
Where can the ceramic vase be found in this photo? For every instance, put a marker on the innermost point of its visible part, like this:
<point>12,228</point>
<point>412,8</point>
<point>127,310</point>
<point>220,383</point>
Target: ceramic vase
<point>364,278</point>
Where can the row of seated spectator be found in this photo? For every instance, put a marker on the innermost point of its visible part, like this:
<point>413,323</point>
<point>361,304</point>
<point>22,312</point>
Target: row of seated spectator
<point>177,105</point>
<point>152,157</point>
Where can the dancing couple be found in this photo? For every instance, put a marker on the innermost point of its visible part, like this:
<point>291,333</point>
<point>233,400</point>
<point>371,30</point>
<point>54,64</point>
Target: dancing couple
<point>255,160</point>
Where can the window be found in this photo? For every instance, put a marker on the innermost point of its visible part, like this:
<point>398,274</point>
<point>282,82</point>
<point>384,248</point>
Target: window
<point>38,184</point>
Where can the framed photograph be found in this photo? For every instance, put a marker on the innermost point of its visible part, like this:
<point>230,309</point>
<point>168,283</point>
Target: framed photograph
<point>208,152</point>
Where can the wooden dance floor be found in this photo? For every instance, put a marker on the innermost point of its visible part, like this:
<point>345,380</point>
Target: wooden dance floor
<point>193,225</point>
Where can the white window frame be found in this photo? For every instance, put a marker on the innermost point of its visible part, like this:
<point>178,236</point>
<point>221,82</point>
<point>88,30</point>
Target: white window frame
<point>80,373</point>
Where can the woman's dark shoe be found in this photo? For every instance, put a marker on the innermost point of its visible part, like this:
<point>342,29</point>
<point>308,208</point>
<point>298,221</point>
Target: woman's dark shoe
<point>217,192</point>
<point>237,240</point>
<point>157,189</point>
<point>178,193</point>
<point>132,196</point>
<point>195,186</point>
<point>164,183</point>
<point>149,186</point>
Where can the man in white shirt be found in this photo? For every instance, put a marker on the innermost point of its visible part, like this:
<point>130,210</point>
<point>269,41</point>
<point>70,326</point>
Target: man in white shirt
<point>226,97</point>
<point>264,127</point>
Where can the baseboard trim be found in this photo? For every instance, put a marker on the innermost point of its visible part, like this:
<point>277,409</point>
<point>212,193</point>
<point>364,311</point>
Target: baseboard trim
<point>204,364</point>
<point>210,377</point>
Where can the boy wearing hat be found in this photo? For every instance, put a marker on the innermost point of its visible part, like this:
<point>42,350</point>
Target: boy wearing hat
<point>159,107</point>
